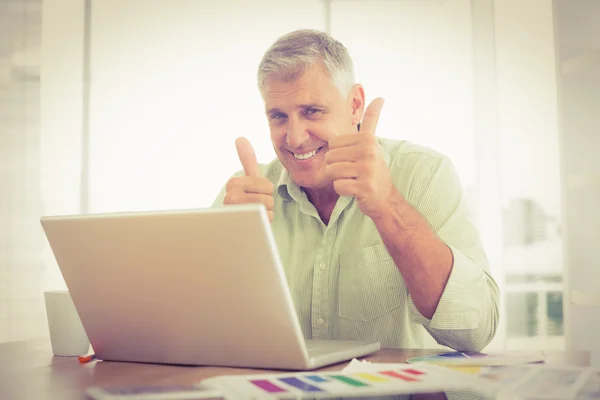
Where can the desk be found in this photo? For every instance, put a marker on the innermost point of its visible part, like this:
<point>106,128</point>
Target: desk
<point>28,370</point>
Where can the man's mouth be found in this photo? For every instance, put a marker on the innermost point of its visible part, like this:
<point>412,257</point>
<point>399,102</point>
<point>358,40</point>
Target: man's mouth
<point>308,155</point>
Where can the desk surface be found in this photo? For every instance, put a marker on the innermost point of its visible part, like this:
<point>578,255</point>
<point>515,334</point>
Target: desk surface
<point>28,370</point>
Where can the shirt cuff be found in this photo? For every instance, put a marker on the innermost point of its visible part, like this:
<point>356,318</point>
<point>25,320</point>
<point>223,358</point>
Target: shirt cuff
<point>461,301</point>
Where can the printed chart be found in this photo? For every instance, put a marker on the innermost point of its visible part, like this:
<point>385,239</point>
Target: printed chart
<point>397,380</point>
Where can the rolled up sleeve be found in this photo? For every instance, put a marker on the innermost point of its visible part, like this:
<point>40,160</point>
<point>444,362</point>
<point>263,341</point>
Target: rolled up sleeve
<point>467,314</point>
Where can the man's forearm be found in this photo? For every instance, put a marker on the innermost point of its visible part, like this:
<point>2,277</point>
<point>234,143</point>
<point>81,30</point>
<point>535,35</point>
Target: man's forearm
<point>424,261</point>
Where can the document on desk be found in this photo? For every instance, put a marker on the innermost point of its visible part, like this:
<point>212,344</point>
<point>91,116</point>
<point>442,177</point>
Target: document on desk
<point>539,381</point>
<point>524,382</point>
<point>391,380</point>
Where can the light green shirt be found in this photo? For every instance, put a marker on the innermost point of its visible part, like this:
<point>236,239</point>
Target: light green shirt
<point>343,281</point>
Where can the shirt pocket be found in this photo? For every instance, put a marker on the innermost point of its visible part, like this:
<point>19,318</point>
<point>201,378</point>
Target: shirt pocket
<point>370,284</point>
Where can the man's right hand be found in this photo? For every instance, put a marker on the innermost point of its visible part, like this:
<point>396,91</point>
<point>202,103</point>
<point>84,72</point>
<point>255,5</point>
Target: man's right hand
<point>252,188</point>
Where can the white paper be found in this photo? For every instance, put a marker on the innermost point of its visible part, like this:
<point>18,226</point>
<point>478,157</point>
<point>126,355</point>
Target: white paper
<point>523,382</point>
<point>542,382</point>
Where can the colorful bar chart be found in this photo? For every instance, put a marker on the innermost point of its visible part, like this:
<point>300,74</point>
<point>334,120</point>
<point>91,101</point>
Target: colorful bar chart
<point>334,383</point>
<point>365,381</point>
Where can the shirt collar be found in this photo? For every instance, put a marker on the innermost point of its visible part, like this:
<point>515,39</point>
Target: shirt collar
<point>284,184</point>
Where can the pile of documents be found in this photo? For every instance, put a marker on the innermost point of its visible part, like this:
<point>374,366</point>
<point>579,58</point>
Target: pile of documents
<point>362,379</point>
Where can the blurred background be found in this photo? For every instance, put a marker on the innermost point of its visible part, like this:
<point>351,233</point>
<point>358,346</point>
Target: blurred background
<point>121,105</point>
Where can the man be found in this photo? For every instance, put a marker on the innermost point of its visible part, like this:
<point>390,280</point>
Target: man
<point>373,233</point>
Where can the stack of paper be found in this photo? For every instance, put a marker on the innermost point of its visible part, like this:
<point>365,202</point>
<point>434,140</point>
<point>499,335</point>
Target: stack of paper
<point>365,379</point>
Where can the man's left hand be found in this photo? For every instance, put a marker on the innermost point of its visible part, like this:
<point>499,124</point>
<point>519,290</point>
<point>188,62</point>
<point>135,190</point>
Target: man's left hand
<point>357,168</point>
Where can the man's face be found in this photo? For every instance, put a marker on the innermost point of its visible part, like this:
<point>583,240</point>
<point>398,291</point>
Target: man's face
<point>303,115</point>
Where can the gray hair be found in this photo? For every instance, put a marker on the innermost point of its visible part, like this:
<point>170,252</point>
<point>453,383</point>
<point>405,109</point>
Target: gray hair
<point>293,53</point>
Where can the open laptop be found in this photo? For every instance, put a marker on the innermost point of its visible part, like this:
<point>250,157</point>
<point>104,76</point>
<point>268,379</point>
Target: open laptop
<point>190,287</point>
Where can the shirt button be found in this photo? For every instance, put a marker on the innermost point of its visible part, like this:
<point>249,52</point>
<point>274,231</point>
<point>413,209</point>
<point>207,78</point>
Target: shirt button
<point>320,321</point>
<point>322,266</point>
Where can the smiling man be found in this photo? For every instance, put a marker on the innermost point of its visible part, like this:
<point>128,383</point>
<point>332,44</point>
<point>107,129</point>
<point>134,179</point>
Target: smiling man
<point>373,233</point>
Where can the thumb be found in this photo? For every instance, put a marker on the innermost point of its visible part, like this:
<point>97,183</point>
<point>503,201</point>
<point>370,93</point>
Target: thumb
<point>371,116</point>
<point>247,157</point>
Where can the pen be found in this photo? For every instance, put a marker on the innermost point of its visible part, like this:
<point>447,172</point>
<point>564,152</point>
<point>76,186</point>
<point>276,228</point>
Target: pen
<point>86,359</point>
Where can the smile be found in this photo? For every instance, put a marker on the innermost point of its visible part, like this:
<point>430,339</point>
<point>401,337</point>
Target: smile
<point>306,156</point>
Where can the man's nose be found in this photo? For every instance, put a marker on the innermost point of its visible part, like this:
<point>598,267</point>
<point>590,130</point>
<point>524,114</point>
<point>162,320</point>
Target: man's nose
<point>296,134</point>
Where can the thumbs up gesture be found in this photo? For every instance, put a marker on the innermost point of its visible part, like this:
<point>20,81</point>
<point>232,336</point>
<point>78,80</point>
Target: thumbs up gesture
<point>253,187</point>
<point>357,168</point>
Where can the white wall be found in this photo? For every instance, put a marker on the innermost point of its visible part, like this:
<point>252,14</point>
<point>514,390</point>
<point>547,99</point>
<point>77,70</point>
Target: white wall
<point>21,310</point>
<point>527,102</point>
<point>418,56</point>
<point>174,83</point>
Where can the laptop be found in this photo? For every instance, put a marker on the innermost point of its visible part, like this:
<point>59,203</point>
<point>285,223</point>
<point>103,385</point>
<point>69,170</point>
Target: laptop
<point>186,287</point>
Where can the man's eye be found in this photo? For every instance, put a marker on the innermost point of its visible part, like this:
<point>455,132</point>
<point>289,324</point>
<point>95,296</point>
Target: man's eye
<point>277,116</point>
<point>311,111</point>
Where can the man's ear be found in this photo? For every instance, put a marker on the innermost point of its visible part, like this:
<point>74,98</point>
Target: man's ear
<point>357,103</point>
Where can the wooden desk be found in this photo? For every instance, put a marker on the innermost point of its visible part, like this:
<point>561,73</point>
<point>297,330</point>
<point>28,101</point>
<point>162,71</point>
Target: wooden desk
<point>28,370</point>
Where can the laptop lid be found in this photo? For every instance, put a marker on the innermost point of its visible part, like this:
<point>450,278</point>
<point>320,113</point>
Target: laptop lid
<point>196,287</point>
